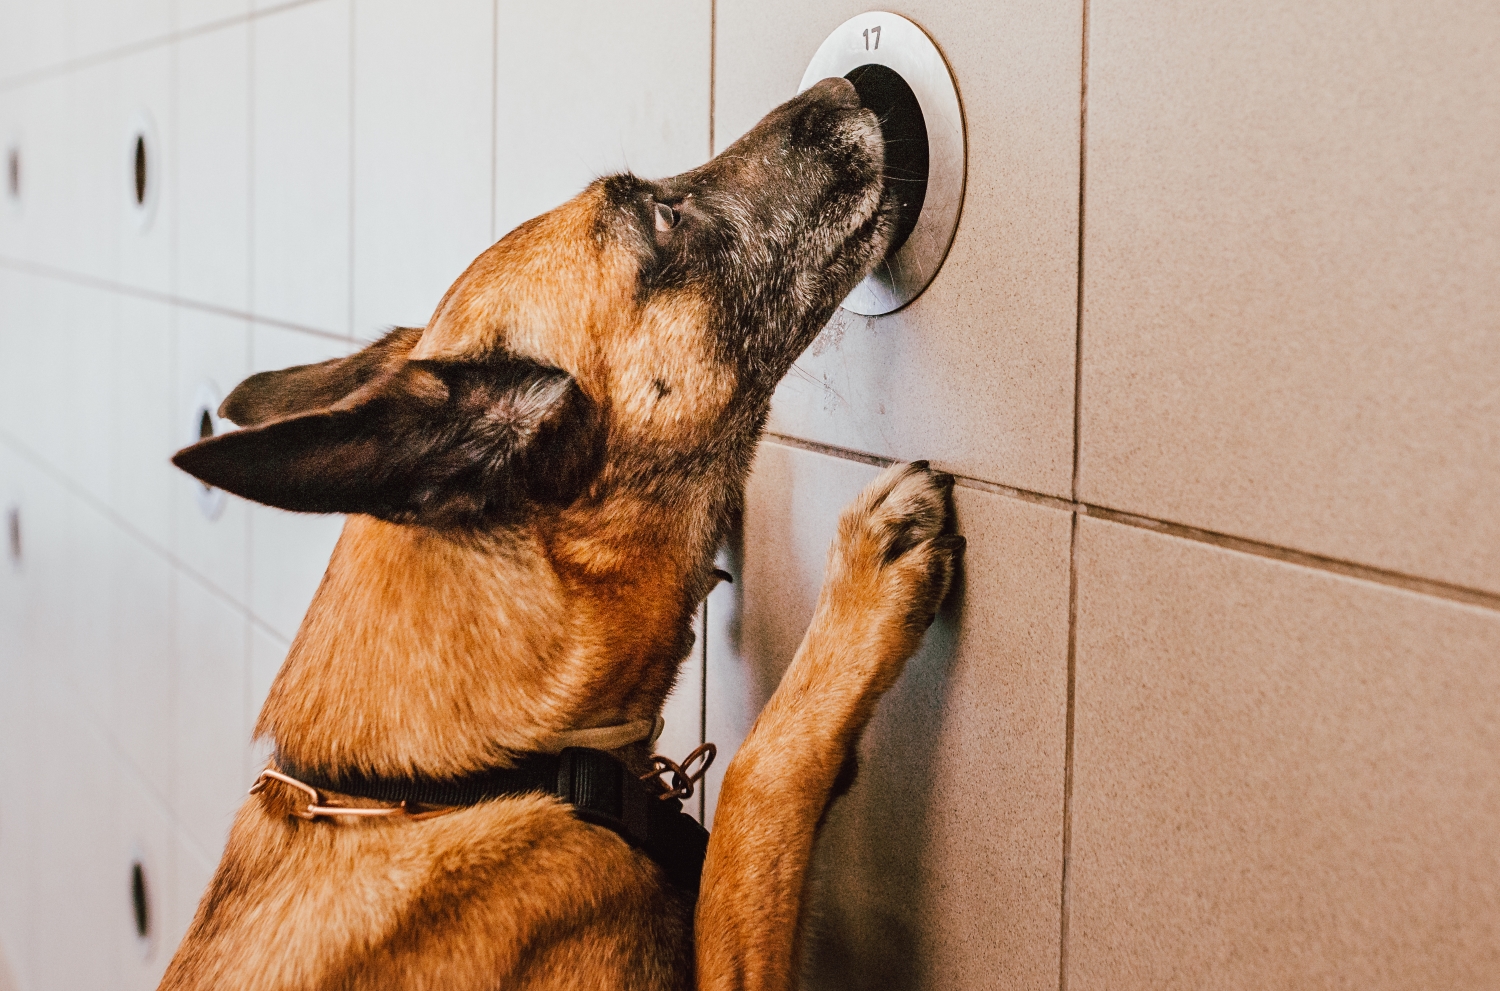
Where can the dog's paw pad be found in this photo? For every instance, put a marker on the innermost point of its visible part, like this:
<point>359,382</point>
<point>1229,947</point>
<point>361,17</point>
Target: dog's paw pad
<point>898,537</point>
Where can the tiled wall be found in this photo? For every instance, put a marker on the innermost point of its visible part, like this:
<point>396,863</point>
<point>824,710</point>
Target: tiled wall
<point>1216,355</point>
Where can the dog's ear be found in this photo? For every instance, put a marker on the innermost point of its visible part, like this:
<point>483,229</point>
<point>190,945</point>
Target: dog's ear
<point>414,441</point>
<point>305,388</point>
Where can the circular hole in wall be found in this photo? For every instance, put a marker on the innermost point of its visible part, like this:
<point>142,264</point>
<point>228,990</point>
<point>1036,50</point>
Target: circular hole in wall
<point>140,900</point>
<point>204,423</point>
<point>901,75</point>
<point>882,90</point>
<point>142,170</point>
<point>13,533</point>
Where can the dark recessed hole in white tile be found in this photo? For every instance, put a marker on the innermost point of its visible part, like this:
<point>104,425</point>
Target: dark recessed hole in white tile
<point>143,162</point>
<point>13,530</point>
<point>140,170</point>
<point>140,900</point>
<point>13,173</point>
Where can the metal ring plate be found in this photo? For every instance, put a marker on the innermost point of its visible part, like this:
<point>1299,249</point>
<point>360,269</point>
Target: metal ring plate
<point>891,40</point>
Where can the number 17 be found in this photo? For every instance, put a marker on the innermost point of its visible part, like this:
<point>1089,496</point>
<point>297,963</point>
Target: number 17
<point>876,32</point>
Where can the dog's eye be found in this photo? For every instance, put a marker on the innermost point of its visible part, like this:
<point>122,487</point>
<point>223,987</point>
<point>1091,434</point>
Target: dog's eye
<point>666,218</point>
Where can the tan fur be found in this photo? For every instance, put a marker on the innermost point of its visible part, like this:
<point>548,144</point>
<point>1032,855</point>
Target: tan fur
<point>430,653</point>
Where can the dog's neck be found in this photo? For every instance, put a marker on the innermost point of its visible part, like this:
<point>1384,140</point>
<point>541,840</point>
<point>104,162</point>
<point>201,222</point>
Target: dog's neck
<point>427,653</point>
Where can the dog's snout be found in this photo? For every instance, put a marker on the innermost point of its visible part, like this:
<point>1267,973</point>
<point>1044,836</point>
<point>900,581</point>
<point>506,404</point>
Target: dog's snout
<point>836,90</point>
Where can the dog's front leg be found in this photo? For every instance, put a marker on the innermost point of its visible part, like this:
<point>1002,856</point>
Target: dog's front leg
<point>888,571</point>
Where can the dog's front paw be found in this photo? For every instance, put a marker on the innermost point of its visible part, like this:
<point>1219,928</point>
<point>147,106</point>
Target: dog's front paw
<point>894,557</point>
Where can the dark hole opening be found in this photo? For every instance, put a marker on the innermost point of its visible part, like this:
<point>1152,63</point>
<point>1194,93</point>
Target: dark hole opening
<point>13,173</point>
<point>13,524</point>
<point>882,90</point>
<point>140,905</point>
<point>205,431</point>
<point>140,169</point>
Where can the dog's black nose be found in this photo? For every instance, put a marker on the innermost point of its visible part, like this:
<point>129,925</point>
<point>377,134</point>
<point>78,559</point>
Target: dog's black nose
<point>836,90</point>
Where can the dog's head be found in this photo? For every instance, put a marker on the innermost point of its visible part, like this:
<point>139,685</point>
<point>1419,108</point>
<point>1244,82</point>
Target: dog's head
<point>632,332</point>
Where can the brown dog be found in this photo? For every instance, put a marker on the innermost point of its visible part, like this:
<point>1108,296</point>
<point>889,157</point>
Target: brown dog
<point>537,483</point>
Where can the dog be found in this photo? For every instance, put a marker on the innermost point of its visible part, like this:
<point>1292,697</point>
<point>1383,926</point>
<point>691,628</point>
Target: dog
<point>537,483</point>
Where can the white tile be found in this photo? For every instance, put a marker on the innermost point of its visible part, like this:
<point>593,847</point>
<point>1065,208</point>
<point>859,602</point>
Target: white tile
<point>193,14</point>
<point>142,657</point>
<point>586,89</point>
<point>12,140</point>
<point>32,35</point>
<point>20,383</point>
<point>69,552</point>
<point>209,768</point>
<point>72,385</point>
<point>422,155</point>
<point>289,551</point>
<point>97,27</point>
<point>213,356</point>
<point>80,890</point>
<point>144,416</point>
<point>192,870</point>
<point>136,21</point>
<point>300,175</point>
<point>147,837</point>
<point>144,111</point>
<point>211,195</point>
<point>17,735</point>
<point>267,652</point>
<point>79,178</point>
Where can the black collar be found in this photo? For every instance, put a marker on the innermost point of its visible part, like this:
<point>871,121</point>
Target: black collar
<point>601,790</point>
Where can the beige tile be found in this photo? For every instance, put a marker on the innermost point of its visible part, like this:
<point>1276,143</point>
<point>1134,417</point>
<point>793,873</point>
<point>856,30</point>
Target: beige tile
<point>942,867</point>
<point>423,156</point>
<point>585,89</point>
<point>977,374</point>
<point>1292,270</point>
<point>1281,777</point>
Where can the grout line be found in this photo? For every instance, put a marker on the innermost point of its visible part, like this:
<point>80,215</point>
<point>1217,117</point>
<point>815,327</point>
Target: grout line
<point>713,70</point>
<point>349,248</point>
<point>1067,817</point>
<point>137,47</point>
<point>1083,151</point>
<point>62,275</point>
<point>1064,905</point>
<point>1317,562</point>
<point>494,115</point>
